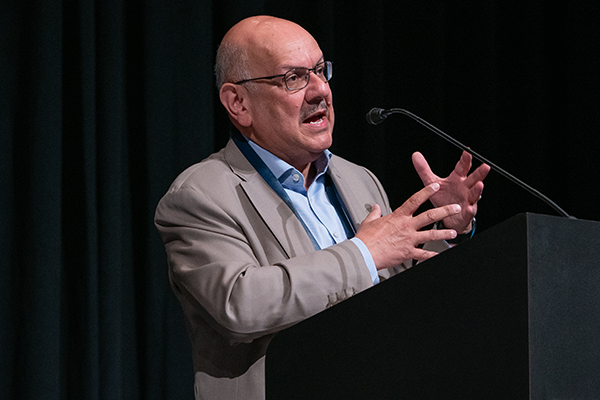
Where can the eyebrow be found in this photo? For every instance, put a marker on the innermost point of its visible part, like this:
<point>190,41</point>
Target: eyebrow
<point>289,67</point>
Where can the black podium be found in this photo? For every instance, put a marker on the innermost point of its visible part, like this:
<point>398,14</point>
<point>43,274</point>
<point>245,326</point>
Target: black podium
<point>513,313</point>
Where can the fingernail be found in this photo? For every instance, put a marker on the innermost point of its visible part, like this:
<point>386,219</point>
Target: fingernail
<point>435,186</point>
<point>453,233</point>
<point>457,208</point>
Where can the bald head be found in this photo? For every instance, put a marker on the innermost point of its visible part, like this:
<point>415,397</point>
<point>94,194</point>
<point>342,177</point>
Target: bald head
<point>295,125</point>
<point>264,32</point>
<point>251,45</point>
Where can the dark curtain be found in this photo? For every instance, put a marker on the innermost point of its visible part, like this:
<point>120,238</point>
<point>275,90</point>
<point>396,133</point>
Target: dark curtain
<point>103,103</point>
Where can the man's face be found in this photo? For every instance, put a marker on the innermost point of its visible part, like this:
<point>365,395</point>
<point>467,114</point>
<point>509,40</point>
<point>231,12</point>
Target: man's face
<point>295,125</point>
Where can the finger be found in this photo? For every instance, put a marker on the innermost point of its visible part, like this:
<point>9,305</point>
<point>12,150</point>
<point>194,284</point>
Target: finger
<point>474,194</point>
<point>463,166</point>
<point>415,201</point>
<point>422,255</point>
<point>478,175</point>
<point>436,214</point>
<point>423,170</point>
<point>432,235</point>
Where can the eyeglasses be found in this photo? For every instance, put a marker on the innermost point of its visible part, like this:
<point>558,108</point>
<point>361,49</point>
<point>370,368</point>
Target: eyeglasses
<point>297,78</point>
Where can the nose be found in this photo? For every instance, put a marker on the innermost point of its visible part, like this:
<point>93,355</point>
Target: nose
<point>317,89</point>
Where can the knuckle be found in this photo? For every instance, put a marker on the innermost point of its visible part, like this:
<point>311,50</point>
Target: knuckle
<point>414,201</point>
<point>431,215</point>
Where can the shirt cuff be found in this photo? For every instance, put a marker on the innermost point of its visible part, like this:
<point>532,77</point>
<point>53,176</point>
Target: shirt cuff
<point>368,259</point>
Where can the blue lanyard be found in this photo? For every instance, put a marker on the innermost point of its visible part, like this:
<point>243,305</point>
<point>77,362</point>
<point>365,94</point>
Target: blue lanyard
<point>264,171</point>
<point>268,176</point>
<point>339,206</point>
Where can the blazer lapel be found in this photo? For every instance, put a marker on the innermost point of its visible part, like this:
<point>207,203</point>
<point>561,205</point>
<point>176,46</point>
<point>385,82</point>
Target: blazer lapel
<point>273,211</point>
<point>357,203</point>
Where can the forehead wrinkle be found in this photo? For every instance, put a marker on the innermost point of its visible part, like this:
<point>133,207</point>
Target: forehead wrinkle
<point>290,66</point>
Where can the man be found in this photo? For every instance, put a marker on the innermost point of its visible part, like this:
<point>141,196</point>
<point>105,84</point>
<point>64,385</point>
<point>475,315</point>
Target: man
<point>273,229</point>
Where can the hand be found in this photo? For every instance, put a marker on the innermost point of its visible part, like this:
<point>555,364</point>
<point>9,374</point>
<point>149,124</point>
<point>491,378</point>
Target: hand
<point>458,188</point>
<point>394,238</point>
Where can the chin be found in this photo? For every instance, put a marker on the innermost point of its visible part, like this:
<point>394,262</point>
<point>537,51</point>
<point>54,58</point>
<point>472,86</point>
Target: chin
<point>322,138</point>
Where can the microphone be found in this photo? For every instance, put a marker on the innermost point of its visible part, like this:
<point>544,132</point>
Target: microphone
<point>377,115</point>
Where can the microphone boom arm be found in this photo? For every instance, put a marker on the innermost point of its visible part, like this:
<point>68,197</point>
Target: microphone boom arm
<point>384,113</point>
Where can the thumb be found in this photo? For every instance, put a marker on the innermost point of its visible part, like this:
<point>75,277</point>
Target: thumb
<point>374,214</point>
<point>422,167</point>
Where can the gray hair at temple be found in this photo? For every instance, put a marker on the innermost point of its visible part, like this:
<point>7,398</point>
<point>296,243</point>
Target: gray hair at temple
<point>232,65</point>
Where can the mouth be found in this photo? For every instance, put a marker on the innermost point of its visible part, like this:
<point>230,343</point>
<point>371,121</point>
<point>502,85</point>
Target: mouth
<point>316,118</point>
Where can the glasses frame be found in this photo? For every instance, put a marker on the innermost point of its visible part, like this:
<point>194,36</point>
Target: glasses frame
<point>327,65</point>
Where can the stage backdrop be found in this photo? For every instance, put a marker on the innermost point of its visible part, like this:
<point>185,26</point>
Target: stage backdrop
<point>103,103</point>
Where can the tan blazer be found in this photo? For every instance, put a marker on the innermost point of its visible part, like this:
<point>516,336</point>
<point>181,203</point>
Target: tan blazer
<point>243,268</point>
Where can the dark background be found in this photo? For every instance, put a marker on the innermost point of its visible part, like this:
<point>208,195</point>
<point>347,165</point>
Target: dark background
<point>103,103</point>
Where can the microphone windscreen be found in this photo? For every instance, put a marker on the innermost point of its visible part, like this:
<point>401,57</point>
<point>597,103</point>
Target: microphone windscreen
<point>375,116</point>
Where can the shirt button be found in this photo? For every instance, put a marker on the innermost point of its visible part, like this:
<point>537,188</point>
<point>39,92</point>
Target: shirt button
<point>296,178</point>
<point>335,234</point>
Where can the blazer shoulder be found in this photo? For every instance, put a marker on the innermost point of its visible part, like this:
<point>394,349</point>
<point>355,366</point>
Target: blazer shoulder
<point>353,173</point>
<point>225,168</point>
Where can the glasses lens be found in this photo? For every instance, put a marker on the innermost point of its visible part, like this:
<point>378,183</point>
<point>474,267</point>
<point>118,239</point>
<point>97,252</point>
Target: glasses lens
<point>326,71</point>
<point>323,71</point>
<point>296,78</point>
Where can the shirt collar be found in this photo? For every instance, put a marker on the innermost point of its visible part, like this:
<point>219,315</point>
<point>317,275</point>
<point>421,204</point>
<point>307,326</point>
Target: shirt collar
<point>282,169</point>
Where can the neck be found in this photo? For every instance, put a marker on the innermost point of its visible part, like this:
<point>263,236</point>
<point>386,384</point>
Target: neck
<point>309,172</point>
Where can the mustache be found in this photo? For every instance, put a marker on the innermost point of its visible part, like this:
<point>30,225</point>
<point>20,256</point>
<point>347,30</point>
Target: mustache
<point>311,109</point>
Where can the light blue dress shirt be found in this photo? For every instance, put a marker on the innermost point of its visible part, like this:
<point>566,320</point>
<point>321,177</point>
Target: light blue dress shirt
<point>313,206</point>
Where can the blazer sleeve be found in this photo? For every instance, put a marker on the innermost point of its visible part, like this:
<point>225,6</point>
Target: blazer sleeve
<point>227,267</point>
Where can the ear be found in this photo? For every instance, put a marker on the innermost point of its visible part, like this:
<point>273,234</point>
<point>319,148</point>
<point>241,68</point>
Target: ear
<point>236,101</point>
